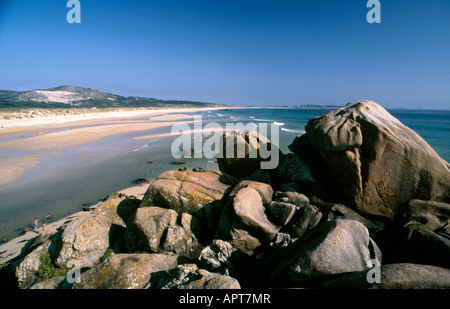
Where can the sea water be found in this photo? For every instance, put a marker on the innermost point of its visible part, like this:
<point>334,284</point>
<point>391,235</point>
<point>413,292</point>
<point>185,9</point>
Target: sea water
<point>75,178</point>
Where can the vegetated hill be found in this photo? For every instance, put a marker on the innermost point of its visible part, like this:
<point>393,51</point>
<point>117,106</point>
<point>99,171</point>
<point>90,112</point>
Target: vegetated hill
<point>73,96</point>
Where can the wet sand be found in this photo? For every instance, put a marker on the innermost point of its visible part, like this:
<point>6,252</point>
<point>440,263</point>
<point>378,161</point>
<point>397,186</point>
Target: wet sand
<point>41,137</point>
<point>61,164</point>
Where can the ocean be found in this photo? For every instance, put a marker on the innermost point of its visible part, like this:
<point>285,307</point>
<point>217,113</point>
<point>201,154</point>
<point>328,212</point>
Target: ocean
<point>81,177</point>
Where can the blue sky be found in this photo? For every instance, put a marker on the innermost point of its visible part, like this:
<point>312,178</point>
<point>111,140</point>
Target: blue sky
<point>233,52</point>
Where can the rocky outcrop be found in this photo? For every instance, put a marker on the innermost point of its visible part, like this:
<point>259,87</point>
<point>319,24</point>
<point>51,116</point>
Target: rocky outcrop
<point>146,226</point>
<point>186,191</point>
<point>332,247</point>
<point>332,222</point>
<point>125,271</point>
<point>241,153</point>
<point>370,161</point>
<point>85,240</point>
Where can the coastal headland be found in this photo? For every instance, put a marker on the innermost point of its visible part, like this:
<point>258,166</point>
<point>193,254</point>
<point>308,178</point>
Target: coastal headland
<point>361,201</point>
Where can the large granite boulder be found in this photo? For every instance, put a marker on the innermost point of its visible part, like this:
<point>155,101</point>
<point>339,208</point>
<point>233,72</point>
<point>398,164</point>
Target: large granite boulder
<point>125,271</point>
<point>186,191</point>
<point>243,220</point>
<point>146,227</point>
<point>370,161</point>
<point>84,240</point>
<point>251,219</point>
<point>330,248</point>
<point>117,209</point>
<point>241,153</point>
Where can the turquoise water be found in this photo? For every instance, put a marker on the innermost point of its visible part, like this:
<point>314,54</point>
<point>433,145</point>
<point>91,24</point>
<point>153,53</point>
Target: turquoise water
<point>62,184</point>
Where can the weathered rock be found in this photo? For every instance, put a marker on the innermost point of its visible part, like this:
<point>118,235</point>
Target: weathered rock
<point>418,235</point>
<point>191,226</point>
<point>242,153</point>
<point>293,168</point>
<point>422,246</point>
<point>343,212</point>
<point>180,239</point>
<point>243,221</point>
<point>306,218</point>
<point>395,276</point>
<point>146,227</point>
<point>430,215</point>
<point>189,276</point>
<point>185,191</point>
<point>264,190</point>
<point>117,209</point>
<point>176,240</point>
<point>280,213</point>
<point>180,275</point>
<point>370,161</point>
<point>294,198</point>
<point>26,272</point>
<point>125,271</point>
<point>281,240</point>
<point>85,240</point>
<point>216,256</point>
<point>331,247</point>
<point>49,284</point>
<point>243,239</point>
<point>249,210</point>
<point>212,281</point>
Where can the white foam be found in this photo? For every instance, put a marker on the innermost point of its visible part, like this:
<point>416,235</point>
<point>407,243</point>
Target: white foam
<point>146,145</point>
<point>293,131</point>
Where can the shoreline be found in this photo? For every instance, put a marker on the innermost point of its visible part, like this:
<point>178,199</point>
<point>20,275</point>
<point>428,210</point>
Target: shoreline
<point>13,248</point>
<point>263,198</point>
<point>13,119</point>
<point>35,151</point>
<point>37,138</point>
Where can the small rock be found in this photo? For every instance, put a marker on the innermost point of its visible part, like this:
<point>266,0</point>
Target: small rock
<point>280,213</point>
<point>305,219</point>
<point>141,181</point>
<point>290,197</point>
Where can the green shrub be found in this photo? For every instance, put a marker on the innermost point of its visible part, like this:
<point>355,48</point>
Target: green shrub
<point>47,269</point>
<point>106,254</point>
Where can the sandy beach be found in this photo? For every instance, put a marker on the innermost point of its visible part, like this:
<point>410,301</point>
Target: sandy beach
<point>24,142</point>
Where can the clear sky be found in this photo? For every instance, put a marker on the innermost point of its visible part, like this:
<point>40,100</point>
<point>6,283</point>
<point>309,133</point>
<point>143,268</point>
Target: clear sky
<point>244,52</point>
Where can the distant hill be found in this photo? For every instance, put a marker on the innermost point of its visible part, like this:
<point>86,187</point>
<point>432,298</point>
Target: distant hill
<point>73,96</point>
